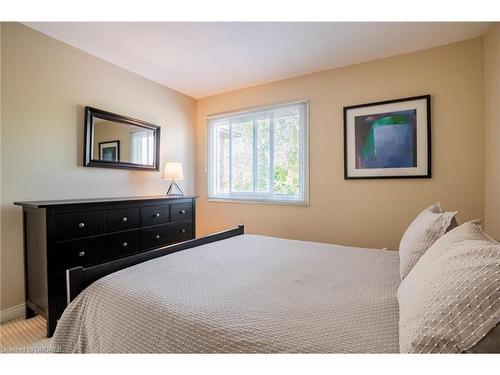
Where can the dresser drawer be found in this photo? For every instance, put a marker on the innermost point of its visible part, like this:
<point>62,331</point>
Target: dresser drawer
<point>82,252</point>
<point>154,215</point>
<point>162,235</point>
<point>121,219</point>
<point>181,231</point>
<point>155,236</point>
<point>125,243</point>
<point>80,224</point>
<point>181,211</point>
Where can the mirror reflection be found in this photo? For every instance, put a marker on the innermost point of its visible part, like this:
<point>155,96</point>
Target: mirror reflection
<point>121,142</point>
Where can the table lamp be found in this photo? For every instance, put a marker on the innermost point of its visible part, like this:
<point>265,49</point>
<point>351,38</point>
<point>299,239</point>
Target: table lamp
<point>173,171</point>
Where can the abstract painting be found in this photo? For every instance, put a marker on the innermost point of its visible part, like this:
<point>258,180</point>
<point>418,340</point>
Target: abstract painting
<point>386,140</point>
<point>382,140</point>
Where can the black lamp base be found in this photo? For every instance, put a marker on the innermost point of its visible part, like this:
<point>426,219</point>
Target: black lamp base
<point>171,190</point>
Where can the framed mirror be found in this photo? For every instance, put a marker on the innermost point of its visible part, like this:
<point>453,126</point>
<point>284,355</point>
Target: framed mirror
<point>115,141</point>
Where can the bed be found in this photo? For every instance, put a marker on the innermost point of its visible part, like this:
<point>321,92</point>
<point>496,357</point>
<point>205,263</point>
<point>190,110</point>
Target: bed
<point>241,294</point>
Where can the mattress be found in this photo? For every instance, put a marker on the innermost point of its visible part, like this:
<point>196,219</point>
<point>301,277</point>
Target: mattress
<point>245,294</point>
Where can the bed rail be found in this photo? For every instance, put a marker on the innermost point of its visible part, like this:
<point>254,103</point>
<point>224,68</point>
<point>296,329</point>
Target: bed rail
<point>78,278</point>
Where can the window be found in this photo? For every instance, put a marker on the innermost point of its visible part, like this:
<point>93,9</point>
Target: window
<point>143,147</point>
<point>259,155</point>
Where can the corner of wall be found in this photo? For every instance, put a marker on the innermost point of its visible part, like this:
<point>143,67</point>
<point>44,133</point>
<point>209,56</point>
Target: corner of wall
<point>492,130</point>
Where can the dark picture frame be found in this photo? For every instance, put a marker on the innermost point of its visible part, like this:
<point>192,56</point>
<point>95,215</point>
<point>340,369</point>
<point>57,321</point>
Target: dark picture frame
<point>92,113</point>
<point>110,144</point>
<point>404,151</point>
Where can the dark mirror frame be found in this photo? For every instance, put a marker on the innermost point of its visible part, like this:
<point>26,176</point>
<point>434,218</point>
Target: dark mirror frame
<point>90,113</point>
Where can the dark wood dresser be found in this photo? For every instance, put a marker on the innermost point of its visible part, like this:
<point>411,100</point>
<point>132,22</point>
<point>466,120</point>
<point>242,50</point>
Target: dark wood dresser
<point>59,235</point>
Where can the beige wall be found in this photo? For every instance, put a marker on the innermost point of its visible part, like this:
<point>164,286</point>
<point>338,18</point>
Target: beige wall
<point>369,213</point>
<point>492,130</point>
<point>45,86</point>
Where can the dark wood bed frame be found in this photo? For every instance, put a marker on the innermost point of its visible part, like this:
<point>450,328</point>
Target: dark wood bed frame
<point>78,278</point>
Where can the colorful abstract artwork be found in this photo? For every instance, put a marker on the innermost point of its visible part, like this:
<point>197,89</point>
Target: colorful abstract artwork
<point>389,139</point>
<point>386,140</point>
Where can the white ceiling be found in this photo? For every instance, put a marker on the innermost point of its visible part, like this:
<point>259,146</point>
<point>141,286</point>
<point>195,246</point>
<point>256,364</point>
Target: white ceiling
<point>202,59</point>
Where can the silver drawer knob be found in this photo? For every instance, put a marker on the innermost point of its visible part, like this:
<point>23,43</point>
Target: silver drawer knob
<point>183,211</point>
<point>81,225</point>
<point>182,230</point>
<point>81,254</point>
<point>157,215</point>
<point>124,244</point>
<point>157,236</point>
<point>124,220</point>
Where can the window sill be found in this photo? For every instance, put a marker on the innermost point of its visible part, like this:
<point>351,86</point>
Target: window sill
<point>259,201</point>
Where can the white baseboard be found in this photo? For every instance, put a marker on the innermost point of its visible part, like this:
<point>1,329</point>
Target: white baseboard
<point>12,313</point>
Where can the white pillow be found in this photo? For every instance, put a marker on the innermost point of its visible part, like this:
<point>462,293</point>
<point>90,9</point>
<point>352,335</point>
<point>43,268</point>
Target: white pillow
<point>427,228</point>
<point>451,298</point>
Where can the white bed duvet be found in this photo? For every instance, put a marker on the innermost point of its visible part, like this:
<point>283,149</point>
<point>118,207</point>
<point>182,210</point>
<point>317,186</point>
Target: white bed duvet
<point>245,294</point>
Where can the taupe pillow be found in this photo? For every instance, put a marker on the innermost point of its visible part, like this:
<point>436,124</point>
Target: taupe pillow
<point>451,299</point>
<point>428,226</point>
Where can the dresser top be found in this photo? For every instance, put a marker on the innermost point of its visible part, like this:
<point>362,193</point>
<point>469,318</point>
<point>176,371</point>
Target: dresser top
<point>71,202</point>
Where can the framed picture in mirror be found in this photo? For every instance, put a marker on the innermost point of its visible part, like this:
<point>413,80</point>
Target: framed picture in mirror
<point>109,151</point>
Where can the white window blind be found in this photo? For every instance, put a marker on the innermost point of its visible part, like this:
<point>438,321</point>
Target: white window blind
<point>142,147</point>
<point>260,155</point>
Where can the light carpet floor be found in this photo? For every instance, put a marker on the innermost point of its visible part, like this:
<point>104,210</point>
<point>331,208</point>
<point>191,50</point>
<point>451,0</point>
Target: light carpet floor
<point>24,336</point>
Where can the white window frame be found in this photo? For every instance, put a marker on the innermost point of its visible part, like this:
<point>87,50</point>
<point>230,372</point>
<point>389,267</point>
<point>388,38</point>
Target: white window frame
<point>255,197</point>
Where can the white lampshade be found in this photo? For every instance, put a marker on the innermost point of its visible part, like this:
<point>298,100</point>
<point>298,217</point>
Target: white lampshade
<point>173,171</point>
